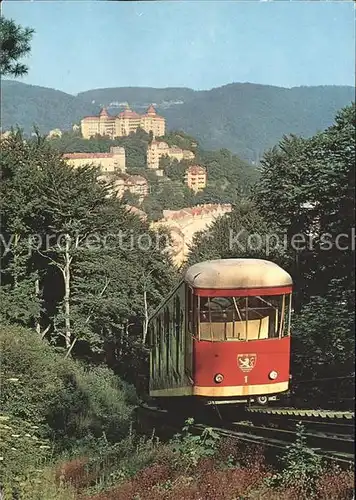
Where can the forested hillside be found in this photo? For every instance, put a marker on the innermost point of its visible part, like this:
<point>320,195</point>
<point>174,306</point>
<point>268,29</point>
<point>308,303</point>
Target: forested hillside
<point>248,119</point>
<point>245,118</point>
<point>29,105</point>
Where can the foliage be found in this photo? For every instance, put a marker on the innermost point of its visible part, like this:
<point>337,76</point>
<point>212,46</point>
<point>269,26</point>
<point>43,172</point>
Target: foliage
<point>173,168</point>
<point>167,194</point>
<point>328,347</point>
<point>301,466</point>
<point>194,447</point>
<point>67,401</point>
<point>243,233</point>
<point>315,199</point>
<point>180,139</point>
<point>23,450</point>
<point>73,258</point>
<point>164,478</point>
<point>15,44</point>
<point>40,485</point>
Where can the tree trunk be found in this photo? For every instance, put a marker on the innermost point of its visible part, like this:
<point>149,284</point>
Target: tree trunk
<point>145,323</point>
<point>16,258</point>
<point>66,298</point>
<point>37,293</point>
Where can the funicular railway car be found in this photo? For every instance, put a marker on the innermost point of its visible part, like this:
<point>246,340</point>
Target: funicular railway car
<point>223,335</point>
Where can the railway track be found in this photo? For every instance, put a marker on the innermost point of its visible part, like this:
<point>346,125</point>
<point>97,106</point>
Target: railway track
<point>304,413</point>
<point>332,438</point>
<point>278,439</point>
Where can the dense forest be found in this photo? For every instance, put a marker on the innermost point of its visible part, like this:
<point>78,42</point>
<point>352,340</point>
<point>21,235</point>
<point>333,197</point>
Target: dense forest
<point>80,276</point>
<point>242,117</point>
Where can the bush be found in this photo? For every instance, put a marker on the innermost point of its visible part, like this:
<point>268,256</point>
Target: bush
<point>40,486</point>
<point>22,450</point>
<point>50,403</point>
<point>301,466</point>
<point>192,448</point>
<point>110,465</point>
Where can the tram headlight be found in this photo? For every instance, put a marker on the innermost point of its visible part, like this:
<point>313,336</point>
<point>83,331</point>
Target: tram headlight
<point>273,375</point>
<point>218,378</point>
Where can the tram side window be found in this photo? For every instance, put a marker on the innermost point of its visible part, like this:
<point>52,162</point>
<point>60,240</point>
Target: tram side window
<point>215,318</point>
<point>242,318</point>
<point>287,316</point>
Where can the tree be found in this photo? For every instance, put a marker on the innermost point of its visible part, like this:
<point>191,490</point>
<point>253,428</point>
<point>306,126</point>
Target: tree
<point>88,264</point>
<point>243,233</point>
<point>20,271</point>
<point>15,44</point>
<point>307,187</point>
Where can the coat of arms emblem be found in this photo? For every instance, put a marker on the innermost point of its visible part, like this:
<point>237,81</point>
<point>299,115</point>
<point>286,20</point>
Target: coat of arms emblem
<point>246,362</point>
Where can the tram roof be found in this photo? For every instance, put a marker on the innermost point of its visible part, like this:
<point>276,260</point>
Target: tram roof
<point>236,273</point>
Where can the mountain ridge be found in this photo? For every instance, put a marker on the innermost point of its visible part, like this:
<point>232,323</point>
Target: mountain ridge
<point>246,118</point>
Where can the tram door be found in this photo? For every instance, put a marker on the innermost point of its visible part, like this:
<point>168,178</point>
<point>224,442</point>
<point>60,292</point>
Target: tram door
<point>189,332</point>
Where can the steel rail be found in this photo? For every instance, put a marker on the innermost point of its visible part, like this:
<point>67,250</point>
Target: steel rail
<point>271,437</point>
<point>341,458</point>
<point>302,412</point>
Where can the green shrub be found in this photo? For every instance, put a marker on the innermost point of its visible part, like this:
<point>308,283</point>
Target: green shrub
<point>301,466</point>
<point>66,397</point>
<point>40,486</point>
<point>23,451</point>
<point>192,448</point>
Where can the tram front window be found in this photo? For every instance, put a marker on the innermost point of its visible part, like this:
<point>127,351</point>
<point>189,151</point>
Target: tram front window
<point>243,318</point>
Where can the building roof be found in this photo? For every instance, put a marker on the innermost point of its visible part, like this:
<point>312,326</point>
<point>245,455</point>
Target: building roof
<point>237,273</point>
<point>151,111</point>
<point>136,179</point>
<point>128,114</point>
<point>161,144</point>
<point>195,211</point>
<point>196,170</point>
<point>90,118</point>
<point>104,112</point>
<point>87,155</point>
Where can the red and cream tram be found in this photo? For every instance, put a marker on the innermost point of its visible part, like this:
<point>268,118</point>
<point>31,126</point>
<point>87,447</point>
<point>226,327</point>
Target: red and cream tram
<point>223,335</point>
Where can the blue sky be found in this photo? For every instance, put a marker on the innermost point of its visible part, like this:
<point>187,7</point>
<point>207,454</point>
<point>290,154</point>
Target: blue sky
<point>84,45</point>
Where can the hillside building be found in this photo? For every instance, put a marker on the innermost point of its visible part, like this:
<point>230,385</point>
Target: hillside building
<point>123,124</point>
<point>134,184</point>
<point>185,223</point>
<point>159,149</point>
<point>196,178</point>
<point>114,161</point>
